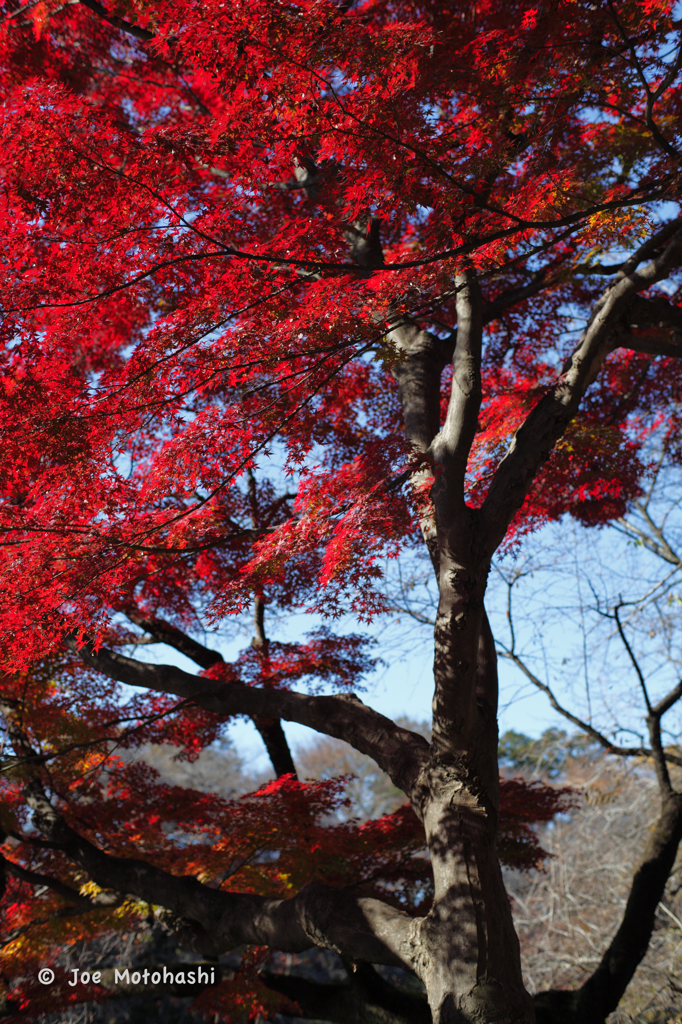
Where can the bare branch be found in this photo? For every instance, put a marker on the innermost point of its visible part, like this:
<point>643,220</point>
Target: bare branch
<point>659,547</point>
<point>166,633</point>
<point>667,702</point>
<point>579,723</point>
<point>631,655</point>
<point>602,992</point>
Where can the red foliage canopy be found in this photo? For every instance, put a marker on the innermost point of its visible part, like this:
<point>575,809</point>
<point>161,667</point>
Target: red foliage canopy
<point>215,217</point>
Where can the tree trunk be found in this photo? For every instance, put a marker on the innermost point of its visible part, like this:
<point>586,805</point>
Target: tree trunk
<point>470,958</point>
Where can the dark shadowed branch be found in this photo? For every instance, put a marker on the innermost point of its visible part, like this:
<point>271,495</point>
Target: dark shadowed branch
<point>270,729</point>
<point>212,921</point>
<point>399,752</point>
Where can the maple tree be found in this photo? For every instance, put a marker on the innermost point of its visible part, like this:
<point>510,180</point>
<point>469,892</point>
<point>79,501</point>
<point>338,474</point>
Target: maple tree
<point>290,288</point>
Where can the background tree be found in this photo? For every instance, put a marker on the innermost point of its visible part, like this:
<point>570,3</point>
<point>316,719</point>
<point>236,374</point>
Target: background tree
<point>567,913</point>
<point>290,288</point>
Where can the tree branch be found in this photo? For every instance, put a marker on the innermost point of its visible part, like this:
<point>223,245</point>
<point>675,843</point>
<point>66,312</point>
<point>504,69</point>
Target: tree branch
<point>585,727</point>
<point>544,425</point>
<point>215,920</point>
<point>166,633</point>
<point>602,992</point>
<point>631,655</point>
<point>667,702</point>
<point>317,915</point>
<point>452,445</point>
<point>651,97</point>
<point>270,729</point>
<point>366,998</point>
<point>657,313</point>
<point>399,752</point>
<point>660,547</point>
<point>100,900</point>
<point>125,26</point>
